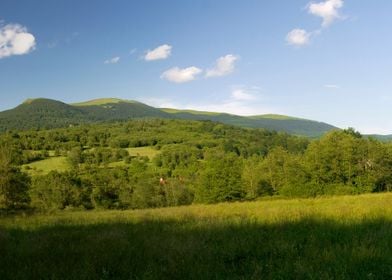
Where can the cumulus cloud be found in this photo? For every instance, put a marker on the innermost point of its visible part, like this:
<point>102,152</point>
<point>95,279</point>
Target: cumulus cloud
<point>178,75</point>
<point>224,66</point>
<point>15,40</point>
<point>328,10</point>
<point>161,52</point>
<point>298,37</point>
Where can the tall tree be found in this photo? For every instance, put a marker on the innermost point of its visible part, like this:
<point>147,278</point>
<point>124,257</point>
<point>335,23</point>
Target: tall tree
<point>14,184</point>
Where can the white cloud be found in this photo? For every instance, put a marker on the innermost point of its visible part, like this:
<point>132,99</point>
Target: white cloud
<point>159,102</point>
<point>243,101</point>
<point>327,10</point>
<point>298,37</point>
<point>331,86</point>
<point>242,95</point>
<point>178,75</point>
<point>112,60</point>
<point>15,40</point>
<point>224,66</point>
<point>161,52</point>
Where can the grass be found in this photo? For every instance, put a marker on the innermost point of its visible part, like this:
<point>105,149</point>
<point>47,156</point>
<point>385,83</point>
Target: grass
<point>274,117</point>
<point>194,112</point>
<point>149,152</point>
<point>329,238</point>
<point>101,101</point>
<point>44,166</point>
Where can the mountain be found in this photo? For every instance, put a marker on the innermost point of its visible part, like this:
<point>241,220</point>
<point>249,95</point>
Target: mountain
<point>41,113</point>
<point>274,122</point>
<point>382,138</point>
<point>44,113</point>
<point>111,109</point>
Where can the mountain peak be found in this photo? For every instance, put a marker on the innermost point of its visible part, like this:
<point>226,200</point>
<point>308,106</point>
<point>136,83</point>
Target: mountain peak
<point>33,100</point>
<point>29,101</point>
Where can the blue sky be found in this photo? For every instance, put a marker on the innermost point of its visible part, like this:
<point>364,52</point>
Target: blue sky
<point>327,60</point>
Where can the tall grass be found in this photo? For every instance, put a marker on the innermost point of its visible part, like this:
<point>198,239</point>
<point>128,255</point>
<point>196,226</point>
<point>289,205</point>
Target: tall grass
<point>328,238</point>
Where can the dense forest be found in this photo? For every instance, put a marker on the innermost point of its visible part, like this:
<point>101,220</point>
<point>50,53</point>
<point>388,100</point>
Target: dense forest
<point>190,162</point>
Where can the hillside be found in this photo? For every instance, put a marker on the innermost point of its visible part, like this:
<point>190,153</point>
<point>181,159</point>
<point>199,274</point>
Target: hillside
<point>273,122</point>
<point>47,113</point>
<point>43,114</point>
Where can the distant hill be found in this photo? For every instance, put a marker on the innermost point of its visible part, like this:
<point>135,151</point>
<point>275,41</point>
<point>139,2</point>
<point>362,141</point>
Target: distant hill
<point>383,138</point>
<point>274,122</point>
<point>44,113</point>
<point>41,113</point>
<point>110,109</point>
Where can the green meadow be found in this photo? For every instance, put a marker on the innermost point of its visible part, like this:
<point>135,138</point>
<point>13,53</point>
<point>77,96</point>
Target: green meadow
<point>59,163</point>
<point>43,167</point>
<point>149,152</point>
<point>346,237</point>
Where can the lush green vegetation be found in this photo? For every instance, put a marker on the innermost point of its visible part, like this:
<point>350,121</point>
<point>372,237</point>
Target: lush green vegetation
<point>50,178</point>
<point>346,237</point>
<point>158,163</point>
<point>46,113</point>
<point>138,164</point>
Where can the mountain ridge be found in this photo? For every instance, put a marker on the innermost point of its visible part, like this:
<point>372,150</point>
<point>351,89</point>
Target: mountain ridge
<point>43,113</point>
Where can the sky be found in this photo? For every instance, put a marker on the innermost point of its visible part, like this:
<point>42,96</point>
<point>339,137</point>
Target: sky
<point>325,60</point>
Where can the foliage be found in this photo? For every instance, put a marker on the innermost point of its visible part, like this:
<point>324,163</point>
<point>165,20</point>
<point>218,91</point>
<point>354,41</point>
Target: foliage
<point>160,163</point>
<point>220,179</point>
<point>14,184</point>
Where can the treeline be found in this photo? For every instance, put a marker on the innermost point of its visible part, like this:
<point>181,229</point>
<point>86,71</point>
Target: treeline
<point>197,162</point>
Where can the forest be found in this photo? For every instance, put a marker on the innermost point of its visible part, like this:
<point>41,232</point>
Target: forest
<point>188,162</point>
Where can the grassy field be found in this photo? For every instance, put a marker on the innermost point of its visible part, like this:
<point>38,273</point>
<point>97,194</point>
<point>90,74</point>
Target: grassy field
<point>44,166</point>
<point>149,152</point>
<point>327,238</point>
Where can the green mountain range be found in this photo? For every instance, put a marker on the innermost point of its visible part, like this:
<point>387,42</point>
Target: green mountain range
<point>44,113</point>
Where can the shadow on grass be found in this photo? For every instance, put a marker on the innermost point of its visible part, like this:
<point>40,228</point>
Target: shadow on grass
<point>307,249</point>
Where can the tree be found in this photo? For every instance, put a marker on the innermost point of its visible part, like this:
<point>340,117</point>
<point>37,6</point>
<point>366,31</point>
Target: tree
<point>220,180</point>
<point>252,178</point>
<point>75,157</point>
<point>14,184</point>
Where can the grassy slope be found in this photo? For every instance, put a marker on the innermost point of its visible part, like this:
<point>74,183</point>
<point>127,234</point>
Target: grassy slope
<point>139,151</point>
<point>274,117</point>
<point>328,238</point>
<point>99,101</point>
<point>60,164</point>
<point>143,151</point>
<point>44,166</point>
<point>194,112</point>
